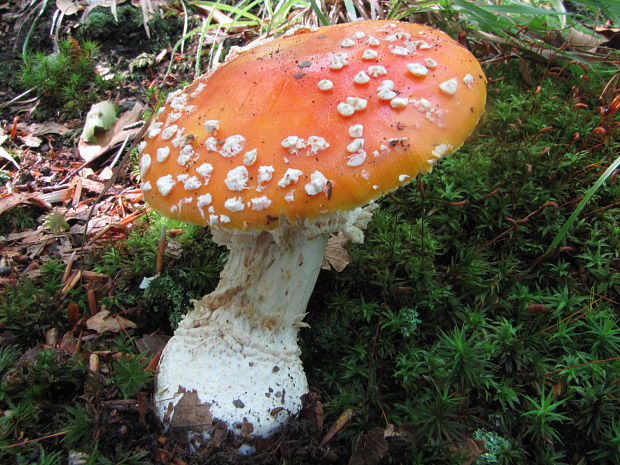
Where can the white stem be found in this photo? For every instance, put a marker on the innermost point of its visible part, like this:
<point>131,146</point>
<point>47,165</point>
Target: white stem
<point>235,357</point>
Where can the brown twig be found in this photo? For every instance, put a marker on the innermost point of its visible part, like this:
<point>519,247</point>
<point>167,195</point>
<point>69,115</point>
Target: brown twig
<point>613,359</point>
<point>161,249</point>
<point>28,441</point>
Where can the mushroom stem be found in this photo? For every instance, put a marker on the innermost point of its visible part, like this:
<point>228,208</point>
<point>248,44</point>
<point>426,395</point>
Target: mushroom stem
<point>237,349</point>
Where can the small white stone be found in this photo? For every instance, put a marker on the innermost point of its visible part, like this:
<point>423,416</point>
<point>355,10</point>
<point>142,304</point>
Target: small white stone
<point>441,150</point>
<point>361,78</point>
<point>173,117</point>
<point>192,183</point>
<point>154,129</point>
<point>179,138</point>
<point>398,36</point>
<point>260,203</point>
<point>165,184</point>
<point>198,90</point>
<point>430,62</point>
<point>386,94</point>
<point>399,102</point>
<point>417,69</point>
<point>345,109</point>
<point>399,50</point>
<point>325,85</point>
<point>204,200</point>
<point>232,146</point>
<point>290,176</point>
<point>369,54</point>
<point>178,102</point>
<point>386,85</point>
<point>357,103</point>
<point>377,70</point>
<point>211,144</point>
<point>145,164</point>
<point>423,105</point>
<point>373,41</point>
<point>234,204</point>
<point>317,144</point>
<point>293,144</point>
<point>250,157</point>
<point>357,130</point>
<point>356,145</point>
<point>172,95</point>
<point>265,174</point>
<point>168,132</point>
<point>162,154</point>
<point>356,159</point>
<point>205,171</point>
<point>317,184</point>
<point>338,61</point>
<point>211,126</point>
<point>237,178</point>
<point>185,155</point>
<point>449,87</point>
<point>468,80</point>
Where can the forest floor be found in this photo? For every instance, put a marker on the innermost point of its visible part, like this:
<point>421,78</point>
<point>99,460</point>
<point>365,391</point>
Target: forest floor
<point>79,341</point>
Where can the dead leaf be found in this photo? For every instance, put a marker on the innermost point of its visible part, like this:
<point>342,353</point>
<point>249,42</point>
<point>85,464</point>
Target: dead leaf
<point>7,156</point>
<point>42,129</point>
<point>312,410</point>
<point>31,141</point>
<point>115,135</point>
<point>68,7</point>
<point>190,413</point>
<point>370,448</point>
<point>583,40</point>
<point>152,343</point>
<point>468,448</point>
<point>106,174</point>
<point>336,256</point>
<point>12,200</point>
<point>102,322</point>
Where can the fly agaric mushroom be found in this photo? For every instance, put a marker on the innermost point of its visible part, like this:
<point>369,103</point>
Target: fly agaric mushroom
<point>276,149</point>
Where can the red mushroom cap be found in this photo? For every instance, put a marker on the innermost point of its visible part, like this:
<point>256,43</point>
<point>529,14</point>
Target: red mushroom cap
<point>311,123</point>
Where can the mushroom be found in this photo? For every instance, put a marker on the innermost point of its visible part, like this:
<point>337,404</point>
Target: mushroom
<point>285,143</point>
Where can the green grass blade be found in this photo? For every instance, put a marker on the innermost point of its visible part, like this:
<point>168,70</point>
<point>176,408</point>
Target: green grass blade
<point>521,10</point>
<point>610,9</point>
<point>239,12</point>
<point>351,14</point>
<point>569,223</point>
<point>319,14</point>
<point>487,20</point>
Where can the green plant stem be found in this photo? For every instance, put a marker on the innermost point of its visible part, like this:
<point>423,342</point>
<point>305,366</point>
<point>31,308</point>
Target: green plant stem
<point>569,223</point>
